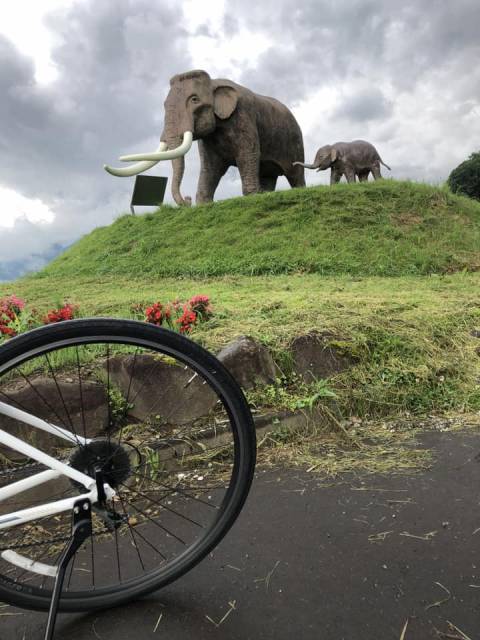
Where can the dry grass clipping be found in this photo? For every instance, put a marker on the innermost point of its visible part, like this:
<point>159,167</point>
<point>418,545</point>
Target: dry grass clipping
<point>376,447</point>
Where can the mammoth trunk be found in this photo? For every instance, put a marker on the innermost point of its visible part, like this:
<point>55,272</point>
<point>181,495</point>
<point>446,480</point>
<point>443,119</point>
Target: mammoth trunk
<point>178,166</point>
<point>315,165</point>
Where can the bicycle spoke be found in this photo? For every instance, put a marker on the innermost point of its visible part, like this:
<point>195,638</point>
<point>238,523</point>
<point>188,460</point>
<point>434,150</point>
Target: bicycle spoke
<point>81,394</point>
<point>145,515</point>
<point>188,495</point>
<point>167,508</point>
<point>27,410</point>
<point>48,405</point>
<point>116,545</point>
<point>149,543</point>
<point>62,399</point>
<point>142,386</point>
<point>131,530</point>
<point>109,408</point>
<point>128,393</point>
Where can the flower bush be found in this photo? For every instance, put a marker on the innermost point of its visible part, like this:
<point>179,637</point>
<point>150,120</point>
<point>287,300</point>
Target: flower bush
<point>158,314</point>
<point>176,315</point>
<point>201,306</point>
<point>66,312</point>
<point>15,318</point>
<point>180,316</point>
<point>11,308</point>
<point>187,319</point>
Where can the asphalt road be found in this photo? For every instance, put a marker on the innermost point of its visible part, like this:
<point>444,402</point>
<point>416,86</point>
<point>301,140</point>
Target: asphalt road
<point>350,561</point>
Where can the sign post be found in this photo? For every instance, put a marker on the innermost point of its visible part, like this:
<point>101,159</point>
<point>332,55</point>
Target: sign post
<point>148,191</point>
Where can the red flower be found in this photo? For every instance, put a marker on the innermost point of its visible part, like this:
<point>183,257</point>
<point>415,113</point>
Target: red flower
<point>154,314</point>
<point>201,306</point>
<point>187,319</point>
<point>7,331</point>
<point>15,303</point>
<point>10,309</point>
<point>177,315</point>
<point>67,312</point>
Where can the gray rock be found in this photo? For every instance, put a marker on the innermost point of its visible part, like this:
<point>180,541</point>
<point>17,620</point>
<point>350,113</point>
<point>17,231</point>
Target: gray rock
<point>249,362</point>
<point>315,358</point>
<point>45,400</point>
<point>159,387</point>
<point>475,333</point>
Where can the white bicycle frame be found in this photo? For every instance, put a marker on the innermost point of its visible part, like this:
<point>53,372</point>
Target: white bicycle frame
<point>56,470</point>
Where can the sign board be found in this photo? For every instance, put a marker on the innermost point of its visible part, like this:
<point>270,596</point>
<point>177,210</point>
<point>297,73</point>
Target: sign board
<point>148,191</point>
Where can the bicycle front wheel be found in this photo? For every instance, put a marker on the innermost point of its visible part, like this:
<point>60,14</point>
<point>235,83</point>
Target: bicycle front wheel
<point>164,423</point>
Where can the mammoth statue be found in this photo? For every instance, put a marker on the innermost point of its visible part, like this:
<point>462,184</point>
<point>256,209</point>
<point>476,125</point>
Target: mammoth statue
<point>357,158</point>
<point>234,127</point>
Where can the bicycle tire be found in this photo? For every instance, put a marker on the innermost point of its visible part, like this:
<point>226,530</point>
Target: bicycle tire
<point>46,340</point>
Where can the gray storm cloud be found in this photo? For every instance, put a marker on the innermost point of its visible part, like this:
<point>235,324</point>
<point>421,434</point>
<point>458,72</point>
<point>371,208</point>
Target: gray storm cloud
<point>364,105</point>
<point>404,76</point>
<point>114,63</point>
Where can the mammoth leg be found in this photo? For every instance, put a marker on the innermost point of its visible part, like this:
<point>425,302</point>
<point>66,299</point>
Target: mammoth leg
<point>212,168</point>
<point>349,174</point>
<point>376,172</point>
<point>268,183</point>
<point>363,176</point>
<point>248,163</point>
<point>335,176</point>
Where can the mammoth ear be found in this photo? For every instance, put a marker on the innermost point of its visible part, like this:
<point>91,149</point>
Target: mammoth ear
<point>224,101</point>
<point>333,154</point>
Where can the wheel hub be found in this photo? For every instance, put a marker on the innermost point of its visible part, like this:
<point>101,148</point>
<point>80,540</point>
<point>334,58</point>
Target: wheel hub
<point>110,459</point>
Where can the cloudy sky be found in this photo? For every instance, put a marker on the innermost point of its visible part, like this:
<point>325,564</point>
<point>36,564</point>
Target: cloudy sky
<point>83,81</point>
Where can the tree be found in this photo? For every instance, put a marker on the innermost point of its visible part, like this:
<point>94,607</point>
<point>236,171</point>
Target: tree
<point>466,177</point>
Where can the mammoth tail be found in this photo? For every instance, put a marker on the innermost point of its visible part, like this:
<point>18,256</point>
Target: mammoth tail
<point>385,165</point>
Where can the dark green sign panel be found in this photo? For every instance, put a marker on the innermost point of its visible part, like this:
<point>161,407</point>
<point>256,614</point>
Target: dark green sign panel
<point>148,191</point>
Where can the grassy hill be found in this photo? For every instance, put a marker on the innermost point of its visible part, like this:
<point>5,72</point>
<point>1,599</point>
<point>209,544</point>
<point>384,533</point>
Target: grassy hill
<point>385,228</point>
<point>389,268</point>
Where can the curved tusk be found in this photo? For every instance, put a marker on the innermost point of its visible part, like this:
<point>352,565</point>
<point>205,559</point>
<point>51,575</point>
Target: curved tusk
<point>156,156</point>
<point>135,168</point>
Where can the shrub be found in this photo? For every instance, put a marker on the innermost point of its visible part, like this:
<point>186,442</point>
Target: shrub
<point>177,315</point>
<point>11,308</point>
<point>66,312</point>
<point>465,178</point>
<point>156,314</point>
<point>187,319</point>
<point>201,306</point>
<point>15,318</point>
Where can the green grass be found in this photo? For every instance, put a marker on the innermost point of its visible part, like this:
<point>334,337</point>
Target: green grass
<point>389,268</point>
<point>385,228</point>
<point>411,335</point>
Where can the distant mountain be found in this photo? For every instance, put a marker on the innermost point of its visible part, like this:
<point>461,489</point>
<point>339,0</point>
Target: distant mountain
<point>16,268</point>
<point>10,270</point>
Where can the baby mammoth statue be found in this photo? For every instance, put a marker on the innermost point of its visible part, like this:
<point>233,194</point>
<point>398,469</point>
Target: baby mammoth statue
<point>351,159</point>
